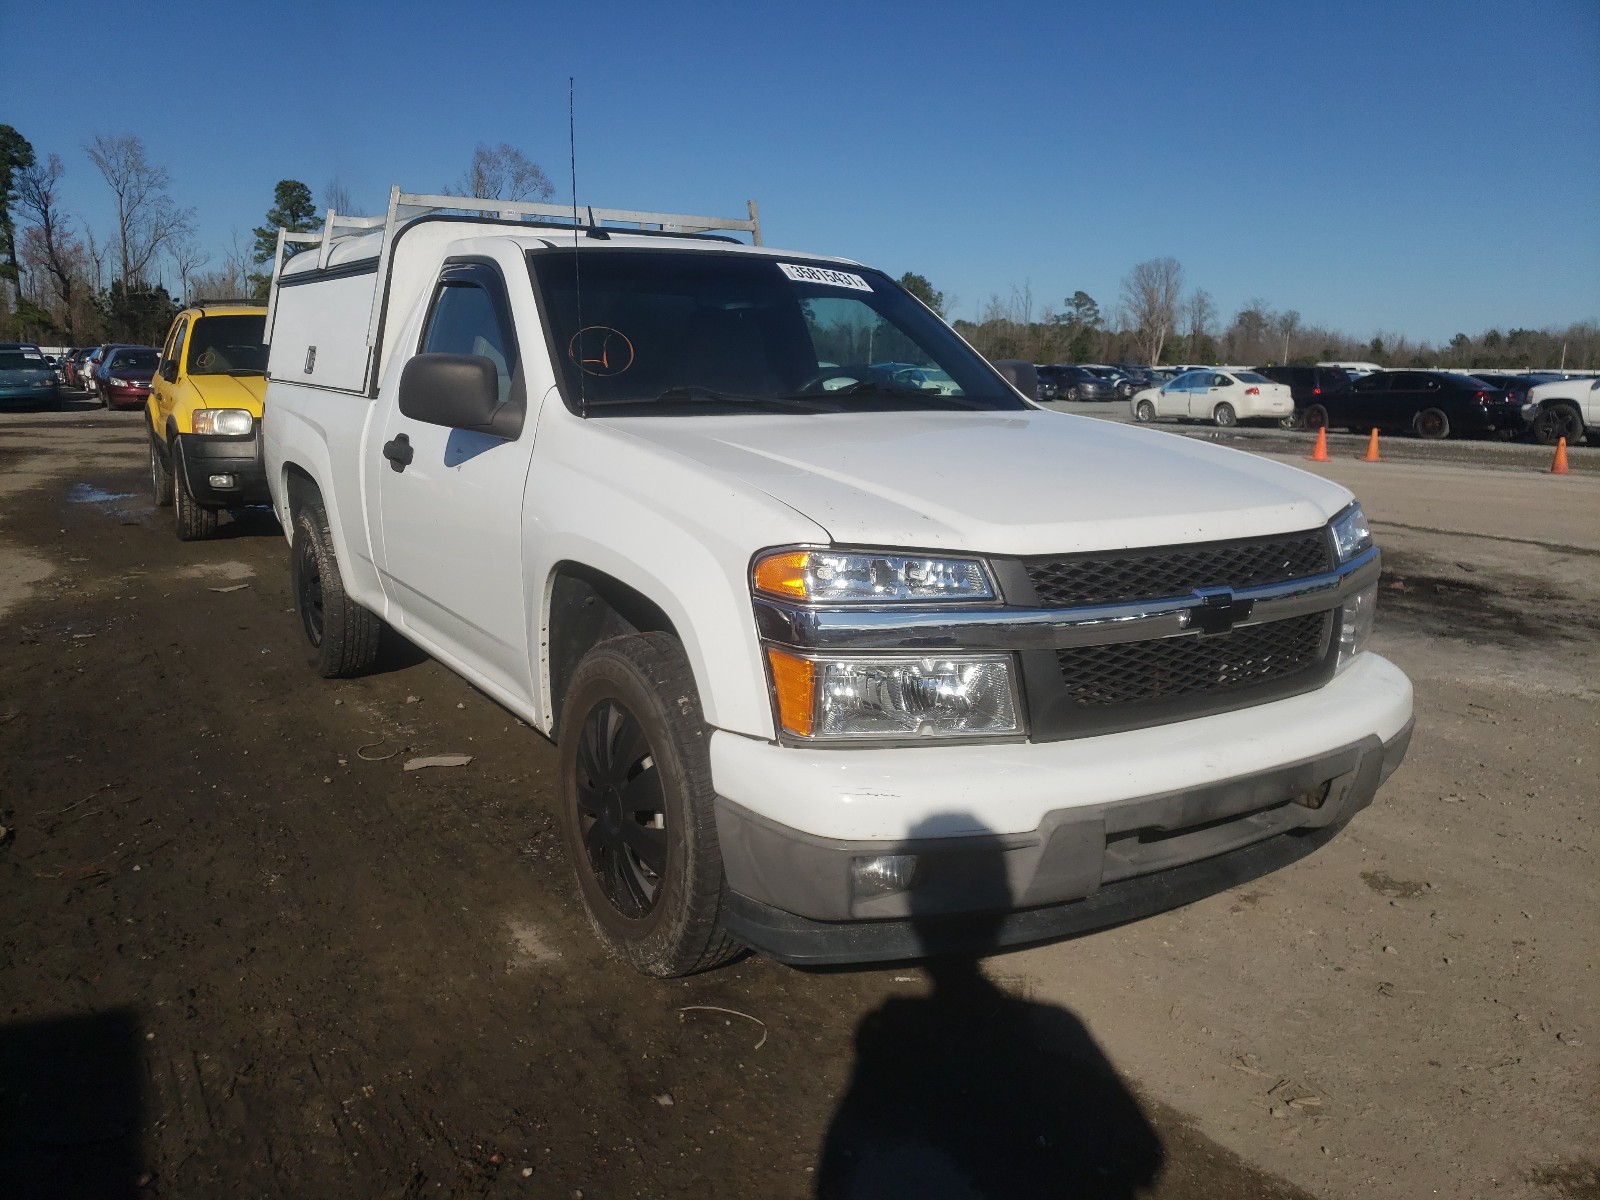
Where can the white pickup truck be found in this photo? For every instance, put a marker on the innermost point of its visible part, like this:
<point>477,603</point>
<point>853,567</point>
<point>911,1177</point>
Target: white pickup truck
<point>851,652</point>
<point>1565,408</point>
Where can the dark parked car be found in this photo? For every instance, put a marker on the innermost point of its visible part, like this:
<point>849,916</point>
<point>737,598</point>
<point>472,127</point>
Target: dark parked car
<point>1307,385</point>
<point>26,377</point>
<point>123,377</point>
<point>1431,404</point>
<point>1058,381</point>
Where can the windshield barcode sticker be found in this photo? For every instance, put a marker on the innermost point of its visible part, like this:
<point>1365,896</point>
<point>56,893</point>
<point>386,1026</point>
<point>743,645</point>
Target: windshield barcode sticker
<point>801,274</point>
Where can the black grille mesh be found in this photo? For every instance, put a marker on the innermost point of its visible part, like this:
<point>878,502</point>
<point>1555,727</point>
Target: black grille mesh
<point>1070,581</point>
<point>1137,673</point>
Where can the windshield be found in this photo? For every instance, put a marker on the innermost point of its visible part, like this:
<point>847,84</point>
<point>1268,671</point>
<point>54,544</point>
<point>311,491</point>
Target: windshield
<point>680,330</point>
<point>17,360</point>
<point>228,345</point>
<point>135,360</point>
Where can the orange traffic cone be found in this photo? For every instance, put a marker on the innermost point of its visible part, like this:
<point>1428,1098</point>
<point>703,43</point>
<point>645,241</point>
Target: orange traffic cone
<point>1372,448</point>
<point>1320,452</point>
<point>1558,465</point>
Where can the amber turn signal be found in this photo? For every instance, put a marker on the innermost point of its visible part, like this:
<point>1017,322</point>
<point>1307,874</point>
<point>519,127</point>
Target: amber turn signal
<point>794,683</point>
<point>783,574</point>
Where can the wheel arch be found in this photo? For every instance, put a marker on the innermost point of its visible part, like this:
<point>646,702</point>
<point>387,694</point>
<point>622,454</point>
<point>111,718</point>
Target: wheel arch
<point>586,606</point>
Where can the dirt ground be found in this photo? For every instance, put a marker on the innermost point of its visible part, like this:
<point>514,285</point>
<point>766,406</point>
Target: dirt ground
<point>243,952</point>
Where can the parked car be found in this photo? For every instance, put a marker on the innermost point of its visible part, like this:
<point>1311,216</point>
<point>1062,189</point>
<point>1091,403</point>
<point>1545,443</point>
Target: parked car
<point>1062,381</point>
<point>1226,397</point>
<point>1123,384</point>
<point>1565,408</point>
<point>26,378</point>
<point>72,368</point>
<point>204,416</point>
<point>816,657</point>
<point>123,377</point>
<point>1307,385</point>
<point>91,367</point>
<point>1431,404</point>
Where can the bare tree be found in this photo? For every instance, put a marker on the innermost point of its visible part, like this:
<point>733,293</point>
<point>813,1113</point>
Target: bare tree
<point>58,254</point>
<point>336,195</point>
<point>502,173</point>
<point>1287,325</point>
<point>1199,312</point>
<point>188,258</point>
<point>1150,294</point>
<point>147,219</point>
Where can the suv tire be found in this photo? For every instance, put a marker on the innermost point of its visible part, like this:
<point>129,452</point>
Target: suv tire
<point>339,637</point>
<point>637,807</point>
<point>195,521</point>
<point>160,475</point>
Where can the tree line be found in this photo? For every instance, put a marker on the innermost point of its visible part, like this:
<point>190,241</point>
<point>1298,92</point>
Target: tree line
<point>65,283</point>
<point>62,282</point>
<point>1157,321</point>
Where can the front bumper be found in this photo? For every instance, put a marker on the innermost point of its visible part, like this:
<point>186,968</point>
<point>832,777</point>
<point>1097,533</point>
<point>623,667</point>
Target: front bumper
<point>236,460</point>
<point>124,397</point>
<point>1084,868</point>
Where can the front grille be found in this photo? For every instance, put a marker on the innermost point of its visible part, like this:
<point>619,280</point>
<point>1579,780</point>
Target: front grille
<point>1068,581</point>
<point>1167,669</point>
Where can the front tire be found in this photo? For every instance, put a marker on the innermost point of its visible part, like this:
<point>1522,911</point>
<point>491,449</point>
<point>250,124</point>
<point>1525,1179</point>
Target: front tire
<point>1432,425</point>
<point>1556,421</point>
<point>1224,416</point>
<point>195,522</point>
<point>339,637</point>
<point>637,807</point>
<point>1144,412</point>
<point>160,476</point>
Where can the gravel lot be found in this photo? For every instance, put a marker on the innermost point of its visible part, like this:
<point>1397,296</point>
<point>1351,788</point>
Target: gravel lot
<point>244,953</point>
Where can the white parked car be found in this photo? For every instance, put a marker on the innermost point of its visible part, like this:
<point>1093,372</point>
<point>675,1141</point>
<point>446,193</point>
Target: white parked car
<point>1565,408</point>
<point>1226,397</point>
<point>839,667</point>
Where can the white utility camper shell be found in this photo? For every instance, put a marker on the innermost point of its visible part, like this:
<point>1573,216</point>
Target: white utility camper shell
<point>359,259</point>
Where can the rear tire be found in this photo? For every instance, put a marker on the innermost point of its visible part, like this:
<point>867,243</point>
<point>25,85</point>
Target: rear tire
<point>339,637</point>
<point>1556,421</point>
<point>1144,412</point>
<point>1316,417</point>
<point>1224,416</point>
<point>195,522</point>
<point>637,807</point>
<point>1431,424</point>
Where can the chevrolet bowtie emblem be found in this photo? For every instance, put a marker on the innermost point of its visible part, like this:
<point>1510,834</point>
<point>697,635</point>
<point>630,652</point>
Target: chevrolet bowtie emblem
<point>1219,610</point>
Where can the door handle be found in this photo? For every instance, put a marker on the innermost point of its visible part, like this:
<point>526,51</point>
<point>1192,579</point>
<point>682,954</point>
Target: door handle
<point>398,452</point>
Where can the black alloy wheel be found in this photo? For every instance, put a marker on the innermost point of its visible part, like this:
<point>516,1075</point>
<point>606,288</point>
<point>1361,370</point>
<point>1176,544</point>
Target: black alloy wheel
<point>622,812</point>
<point>308,591</point>
<point>1316,417</point>
<point>1556,421</point>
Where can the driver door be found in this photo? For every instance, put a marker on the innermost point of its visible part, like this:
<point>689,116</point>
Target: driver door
<point>450,554</point>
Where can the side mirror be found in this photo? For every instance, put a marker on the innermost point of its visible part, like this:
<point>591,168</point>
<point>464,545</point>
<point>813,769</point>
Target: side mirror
<point>1023,376</point>
<point>169,372</point>
<point>459,391</point>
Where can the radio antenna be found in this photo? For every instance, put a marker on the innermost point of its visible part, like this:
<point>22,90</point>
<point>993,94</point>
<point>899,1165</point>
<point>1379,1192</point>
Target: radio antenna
<point>577,279</point>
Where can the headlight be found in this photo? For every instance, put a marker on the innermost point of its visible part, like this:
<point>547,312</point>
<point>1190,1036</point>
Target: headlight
<point>829,577</point>
<point>1351,534</point>
<point>956,695</point>
<point>1355,624</point>
<point>119,383</point>
<point>227,422</point>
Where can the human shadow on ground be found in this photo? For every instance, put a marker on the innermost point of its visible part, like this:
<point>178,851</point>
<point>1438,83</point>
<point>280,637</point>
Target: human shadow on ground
<point>71,1107</point>
<point>968,1092</point>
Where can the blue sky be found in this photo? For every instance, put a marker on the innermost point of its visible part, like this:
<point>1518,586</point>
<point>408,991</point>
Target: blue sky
<point>1414,167</point>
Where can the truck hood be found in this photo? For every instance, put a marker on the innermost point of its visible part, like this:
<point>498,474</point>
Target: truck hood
<point>230,391</point>
<point>1030,482</point>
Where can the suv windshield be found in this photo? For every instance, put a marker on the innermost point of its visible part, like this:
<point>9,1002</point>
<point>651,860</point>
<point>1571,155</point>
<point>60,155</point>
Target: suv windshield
<point>229,345</point>
<point>669,331</point>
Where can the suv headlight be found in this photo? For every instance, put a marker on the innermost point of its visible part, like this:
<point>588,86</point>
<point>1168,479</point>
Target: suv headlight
<point>895,697</point>
<point>1351,534</point>
<point>224,422</point>
<point>835,577</point>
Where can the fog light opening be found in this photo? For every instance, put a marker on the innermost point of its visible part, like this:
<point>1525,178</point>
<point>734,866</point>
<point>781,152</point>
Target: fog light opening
<point>1315,798</point>
<point>882,875</point>
<point>222,481</point>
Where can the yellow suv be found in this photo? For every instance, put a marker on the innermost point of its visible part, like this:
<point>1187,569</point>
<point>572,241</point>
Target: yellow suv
<point>205,415</point>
